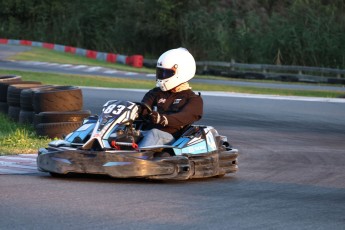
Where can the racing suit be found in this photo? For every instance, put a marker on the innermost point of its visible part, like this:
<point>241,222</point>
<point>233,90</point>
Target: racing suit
<point>180,108</point>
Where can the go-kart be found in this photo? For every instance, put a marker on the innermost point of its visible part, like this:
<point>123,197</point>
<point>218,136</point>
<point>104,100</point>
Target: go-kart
<point>108,144</point>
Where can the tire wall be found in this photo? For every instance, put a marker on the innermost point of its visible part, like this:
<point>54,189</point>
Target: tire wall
<point>53,111</point>
<point>13,97</point>
<point>5,82</point>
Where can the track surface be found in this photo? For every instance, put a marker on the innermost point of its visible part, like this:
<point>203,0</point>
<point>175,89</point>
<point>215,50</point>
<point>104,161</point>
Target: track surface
<point>291,176</point>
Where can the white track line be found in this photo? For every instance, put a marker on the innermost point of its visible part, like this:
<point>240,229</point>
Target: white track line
<point>111,71</point>
<point>79,67</point>
<point>93,69</point>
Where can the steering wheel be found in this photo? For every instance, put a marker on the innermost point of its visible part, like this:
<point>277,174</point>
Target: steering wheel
<point>143,107</point>
<point>146,106</point>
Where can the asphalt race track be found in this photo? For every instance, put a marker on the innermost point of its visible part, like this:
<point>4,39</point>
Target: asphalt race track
<point>293,139</point>
<point>292,176</point>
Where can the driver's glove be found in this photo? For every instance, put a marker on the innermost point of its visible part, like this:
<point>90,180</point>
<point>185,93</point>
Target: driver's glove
<point>157,118</point>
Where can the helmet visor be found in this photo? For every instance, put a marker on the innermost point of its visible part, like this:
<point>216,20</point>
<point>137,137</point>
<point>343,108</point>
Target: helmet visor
<point>162,74</point>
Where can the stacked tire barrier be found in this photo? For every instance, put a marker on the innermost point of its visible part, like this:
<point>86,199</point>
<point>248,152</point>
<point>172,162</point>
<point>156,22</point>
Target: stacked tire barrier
<point>58,110</point>
<point>13,97</point>
<point>54,111</point>
<point>133,60</point>
<point>5,81</point>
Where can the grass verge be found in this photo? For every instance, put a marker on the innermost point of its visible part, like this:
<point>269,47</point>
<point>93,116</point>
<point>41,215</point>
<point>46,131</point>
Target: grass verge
<point>18,138</point>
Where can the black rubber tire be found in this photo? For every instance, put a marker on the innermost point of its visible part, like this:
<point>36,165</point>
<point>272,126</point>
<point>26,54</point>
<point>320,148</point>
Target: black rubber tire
<point>3,107</point>
<point>56,130</point>
<point>6,78</point>
<point>13,112</point>
<point>58,175</point>
<point>58,98</point>
<point>13,92</point>
<point>26,97</point>
<point>26,117</point>
<point>68,116</point>
<point>4,87</point>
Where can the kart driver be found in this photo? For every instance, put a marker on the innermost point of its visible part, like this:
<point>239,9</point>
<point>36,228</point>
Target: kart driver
<point>175,105</point>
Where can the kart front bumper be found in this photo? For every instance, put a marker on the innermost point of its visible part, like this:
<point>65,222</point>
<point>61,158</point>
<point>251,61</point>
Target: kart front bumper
<point>122,164</point>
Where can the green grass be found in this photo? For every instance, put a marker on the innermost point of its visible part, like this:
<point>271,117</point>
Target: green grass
<point>18,138</point>
<point>79,80</point>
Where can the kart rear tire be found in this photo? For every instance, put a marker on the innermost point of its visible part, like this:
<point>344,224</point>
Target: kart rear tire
<point>56,130</point>
<point>58,98</point>
<point>68,116</point>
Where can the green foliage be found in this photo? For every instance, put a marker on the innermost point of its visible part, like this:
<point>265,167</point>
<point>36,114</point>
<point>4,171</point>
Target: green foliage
<point>304,32</point>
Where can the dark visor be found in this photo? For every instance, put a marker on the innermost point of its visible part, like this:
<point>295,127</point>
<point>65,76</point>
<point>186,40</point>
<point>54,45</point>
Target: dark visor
<point>164,73</point>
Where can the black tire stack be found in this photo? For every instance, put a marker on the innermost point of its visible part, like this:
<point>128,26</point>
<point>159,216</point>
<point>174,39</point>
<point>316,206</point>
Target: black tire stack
<point>13,97</point>
<point>54,111</point>
<point>5,82</point>
<point>58,110</point>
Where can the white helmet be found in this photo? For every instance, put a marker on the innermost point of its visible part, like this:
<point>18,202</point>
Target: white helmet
<point>174,67</point>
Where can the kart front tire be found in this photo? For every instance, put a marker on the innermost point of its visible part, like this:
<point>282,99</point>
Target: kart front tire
<point>58,175</point>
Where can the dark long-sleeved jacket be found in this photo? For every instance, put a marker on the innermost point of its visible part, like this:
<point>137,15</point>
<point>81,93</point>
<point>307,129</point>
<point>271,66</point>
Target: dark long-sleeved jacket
<point>180,108</point>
